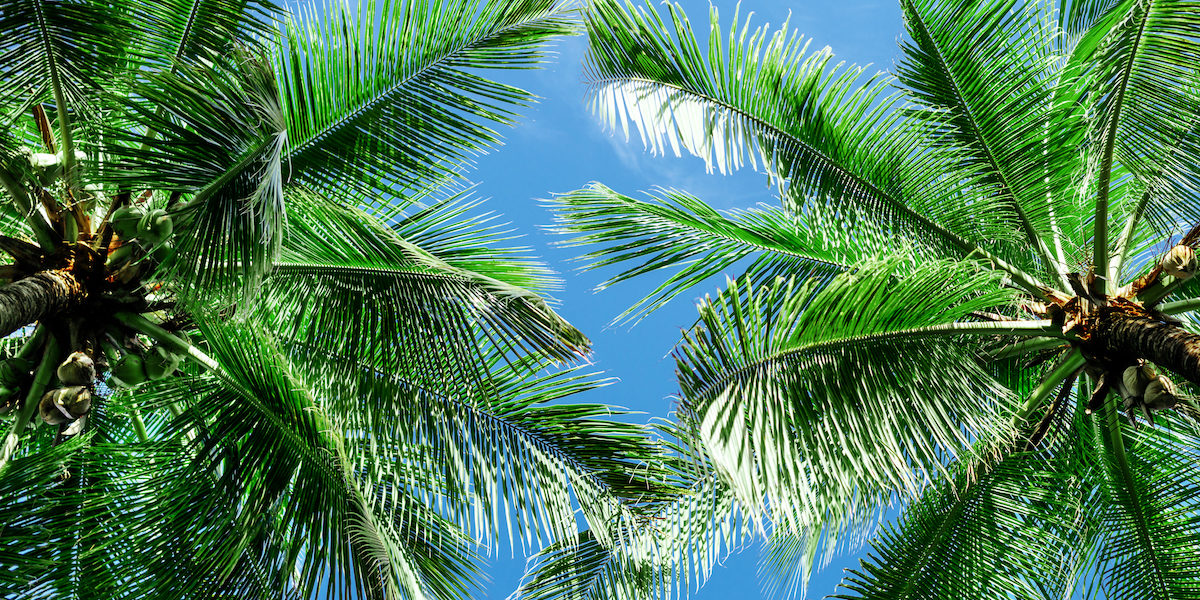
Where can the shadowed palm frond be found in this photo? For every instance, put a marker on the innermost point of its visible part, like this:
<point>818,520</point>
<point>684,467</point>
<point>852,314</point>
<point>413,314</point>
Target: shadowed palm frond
<point>170,32</point>
<point>1021,514</point>
<point>59,51</point>
<point>1152,516</point>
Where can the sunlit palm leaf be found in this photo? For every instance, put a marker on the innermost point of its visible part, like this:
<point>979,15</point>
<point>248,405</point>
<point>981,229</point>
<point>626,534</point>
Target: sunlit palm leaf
<point>991,103</point>
<point>673,229</point>
<point>1148,101</point>
<point>383,97</point>
<point>167,32</point>
<point>806,399</point>
<point>826,134</point>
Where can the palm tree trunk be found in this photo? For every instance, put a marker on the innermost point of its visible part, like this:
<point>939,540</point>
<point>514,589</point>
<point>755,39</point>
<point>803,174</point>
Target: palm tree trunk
<point>1125,336</point>
<point>33,298</point>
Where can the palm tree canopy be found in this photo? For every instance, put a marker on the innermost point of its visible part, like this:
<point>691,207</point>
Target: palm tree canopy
<point>269,346</point>
<point>971,299</point>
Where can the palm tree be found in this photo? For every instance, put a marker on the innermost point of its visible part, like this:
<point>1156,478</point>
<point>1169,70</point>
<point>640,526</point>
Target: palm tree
<point>269,347</point>
<point>972,299</point>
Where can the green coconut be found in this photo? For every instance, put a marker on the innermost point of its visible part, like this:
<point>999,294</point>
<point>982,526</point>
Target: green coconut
<point>161,362</point>
<point>128,371</point>
<point>156,226</point>
<point>126,221</point>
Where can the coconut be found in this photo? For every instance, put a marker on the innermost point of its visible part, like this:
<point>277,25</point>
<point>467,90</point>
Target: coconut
<point>1180,262</point>
<point>78,369</point>
<point>126,221</point>
<point>65,404</point>
<point>1160,394</point>
<point>128,371</point>
<point>160,362</point>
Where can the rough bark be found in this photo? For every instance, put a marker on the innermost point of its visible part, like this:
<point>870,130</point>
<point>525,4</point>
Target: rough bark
<point>1137,336</point>
<point>38,296</point>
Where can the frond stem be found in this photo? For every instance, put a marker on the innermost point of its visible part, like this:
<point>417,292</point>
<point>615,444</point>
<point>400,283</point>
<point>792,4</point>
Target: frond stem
<point>1100,235</point>
<point>1025,347</point>
<point>60,100</point>
<point>33,397</point>
<point>1126,239</point>
<point>1180,306</point>
<point>1069,366</point>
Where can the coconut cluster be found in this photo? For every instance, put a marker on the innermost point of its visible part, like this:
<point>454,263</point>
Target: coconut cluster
<point>72,398</point>
<point>1142,387</point>
<point>143,232</point>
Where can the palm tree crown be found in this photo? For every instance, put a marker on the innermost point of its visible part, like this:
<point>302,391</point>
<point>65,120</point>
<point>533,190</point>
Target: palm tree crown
<point>270,349</point>
<point>973,298</point>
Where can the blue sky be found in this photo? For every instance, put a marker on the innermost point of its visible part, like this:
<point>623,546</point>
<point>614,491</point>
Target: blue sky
<point>560,147</point>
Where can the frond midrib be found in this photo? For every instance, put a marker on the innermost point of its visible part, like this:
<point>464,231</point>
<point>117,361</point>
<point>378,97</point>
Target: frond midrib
<point>382,97</point>
<point>710,389</point>
<point>697,226</point>
<point>538,440</point>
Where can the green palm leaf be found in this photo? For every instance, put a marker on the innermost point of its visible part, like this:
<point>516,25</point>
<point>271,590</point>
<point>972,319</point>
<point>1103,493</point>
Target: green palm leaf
<point>673,229</point>
<point>806,399</point>
<point>220,158</point>
<point>828,136</point>
<point>360,291</point>
<point>384,98</point>
<point>1148,101</point>
<point>169,32</point>
<point>1021,516</point>
<point>1152,521</point>
<point>61,51</point>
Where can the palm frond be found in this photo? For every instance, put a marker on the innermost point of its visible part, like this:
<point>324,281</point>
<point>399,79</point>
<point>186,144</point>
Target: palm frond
<point>804,399</point>
<point>58,51</point>
<point>352,287</point>
<point>669,549</point>
<point>675,230</point>
<point>31,516</point>
<point>1006,138</point>
<point>386,97</point>
<point>221,140</point>
<point>509,459</point>
<point>266,499</point>
<point>1020,514</point>
<point>826,135</point>
<point>169,32</point>
<point>453,230</point>
<point>1147,102</point>
<point>1152,520</point>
